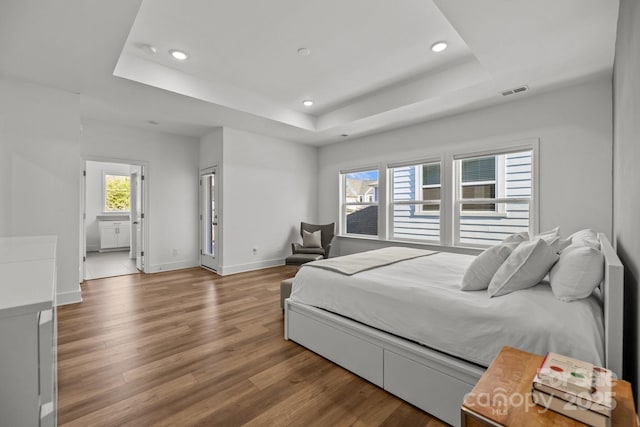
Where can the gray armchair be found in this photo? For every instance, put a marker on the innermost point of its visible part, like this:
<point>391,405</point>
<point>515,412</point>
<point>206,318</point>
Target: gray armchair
<point>327,235</point>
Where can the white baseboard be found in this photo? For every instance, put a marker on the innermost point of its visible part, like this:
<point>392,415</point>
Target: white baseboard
<point>241,268</point>
<point>73,297</point>
<point>169,266</point>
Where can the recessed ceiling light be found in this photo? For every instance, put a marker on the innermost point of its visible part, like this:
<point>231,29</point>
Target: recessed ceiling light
<point>439,46</point>
<point>307,103</point>
<point>179,55</point>
<point>344,135</point>
<point>303,51</point>
<point>153,122</point>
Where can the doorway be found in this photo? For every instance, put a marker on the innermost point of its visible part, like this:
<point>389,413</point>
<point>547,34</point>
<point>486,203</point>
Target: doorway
<point>112,219</point>
<point>209,236</point>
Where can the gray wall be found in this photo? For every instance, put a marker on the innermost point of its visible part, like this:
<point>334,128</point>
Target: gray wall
<point>171,184</point>
<point>40,172</point>
<point>575,131</point>
<point>267,186</point>
<point>626,177</point>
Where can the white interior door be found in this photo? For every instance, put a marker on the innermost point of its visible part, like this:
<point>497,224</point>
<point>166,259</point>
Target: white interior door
<point>83,221</point>
<point>208,220</point>
<point>137,218</point>
<point>133,206</point>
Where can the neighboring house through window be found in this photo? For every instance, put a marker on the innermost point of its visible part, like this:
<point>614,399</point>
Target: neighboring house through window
<point>430,178</point>
<point>494,197</point>
<point>478,181</point>
<point>360,202</point>
<point>416,201</point>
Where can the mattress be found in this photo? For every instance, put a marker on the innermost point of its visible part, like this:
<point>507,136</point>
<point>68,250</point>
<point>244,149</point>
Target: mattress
<point>420,300</point>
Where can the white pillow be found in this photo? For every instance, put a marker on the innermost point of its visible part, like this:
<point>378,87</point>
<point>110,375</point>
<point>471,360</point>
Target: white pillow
<point>482,269</point>
<point>517,237</point>
<point>586,237</point>
<point>577,273</point>
<point>311,240</point>
<point>526,267</point>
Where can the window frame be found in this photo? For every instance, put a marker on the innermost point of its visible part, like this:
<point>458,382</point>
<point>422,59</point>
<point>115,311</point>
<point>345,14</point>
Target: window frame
<point>532,201</point>
<point>342,223</point>
<point>106,173</point>
<point>418,164</point>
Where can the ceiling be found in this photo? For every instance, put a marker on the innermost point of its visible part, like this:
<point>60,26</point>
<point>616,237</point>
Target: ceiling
<point>370,68</point>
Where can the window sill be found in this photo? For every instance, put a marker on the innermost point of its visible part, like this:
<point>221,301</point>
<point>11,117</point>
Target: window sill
<point>358,236</point>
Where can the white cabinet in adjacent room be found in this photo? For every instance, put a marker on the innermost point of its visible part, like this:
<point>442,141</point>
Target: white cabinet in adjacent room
<point>114,234</point>
<point>28,382</point>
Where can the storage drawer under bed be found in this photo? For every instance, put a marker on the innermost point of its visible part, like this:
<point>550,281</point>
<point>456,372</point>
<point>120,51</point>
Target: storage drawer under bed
<point>357,355</point>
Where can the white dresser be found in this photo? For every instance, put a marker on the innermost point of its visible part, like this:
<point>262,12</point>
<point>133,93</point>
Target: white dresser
<point>28,389</point>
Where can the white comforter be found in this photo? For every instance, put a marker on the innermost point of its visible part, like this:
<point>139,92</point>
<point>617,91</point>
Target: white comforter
<point>420,299</point>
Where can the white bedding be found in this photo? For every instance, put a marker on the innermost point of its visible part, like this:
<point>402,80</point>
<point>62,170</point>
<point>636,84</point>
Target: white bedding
<point>420,299</point>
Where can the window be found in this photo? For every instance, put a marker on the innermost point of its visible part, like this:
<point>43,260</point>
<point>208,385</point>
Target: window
<point>117,190</point>
<point>416,201</point>
<point>455,199</point>
<point>479,182</point>
<point>494,197</point>
<point>430,187</point>
<point>360,202</point>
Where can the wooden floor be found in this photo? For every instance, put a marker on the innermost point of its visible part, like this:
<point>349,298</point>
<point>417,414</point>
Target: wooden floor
<point>192,348</point>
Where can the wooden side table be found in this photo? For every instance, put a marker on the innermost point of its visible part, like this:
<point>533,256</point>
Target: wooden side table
<point>502,397</point>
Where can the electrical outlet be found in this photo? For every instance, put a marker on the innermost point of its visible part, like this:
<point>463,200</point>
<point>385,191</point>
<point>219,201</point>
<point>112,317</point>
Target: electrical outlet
<point>175,252</point>
<point>255,251</point>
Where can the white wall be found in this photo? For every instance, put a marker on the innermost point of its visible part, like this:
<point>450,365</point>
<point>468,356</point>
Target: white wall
<point>574,128</point>
<point>269,186</point>
<point>211,148</point>
<point>626,109</point>
<point>39,172</point>
<point>171,180</point>
<point>94,197</point>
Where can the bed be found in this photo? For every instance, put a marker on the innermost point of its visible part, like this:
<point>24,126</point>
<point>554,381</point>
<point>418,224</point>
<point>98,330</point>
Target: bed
<point>406,337</point>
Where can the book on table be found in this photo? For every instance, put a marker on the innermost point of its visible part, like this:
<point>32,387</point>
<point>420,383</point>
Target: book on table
<point>574,388</point>
<point>566,373</point>
<point>571,410</point>
<point>599,399</point>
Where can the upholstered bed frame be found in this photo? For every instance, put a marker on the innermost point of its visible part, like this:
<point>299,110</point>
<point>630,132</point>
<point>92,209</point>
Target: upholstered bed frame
<point>432,381</point>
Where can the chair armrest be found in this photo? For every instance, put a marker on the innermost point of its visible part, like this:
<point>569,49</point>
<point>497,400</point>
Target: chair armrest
<point>327,250</point>
<point>295,247</point>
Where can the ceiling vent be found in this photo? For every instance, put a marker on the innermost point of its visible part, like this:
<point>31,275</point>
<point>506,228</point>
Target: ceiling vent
<point>515,90</point>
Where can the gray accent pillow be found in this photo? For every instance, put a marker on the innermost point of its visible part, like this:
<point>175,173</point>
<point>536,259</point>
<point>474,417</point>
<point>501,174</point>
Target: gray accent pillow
<point>481,271</point>
<point>312,240</point>
<point>526,267</point>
